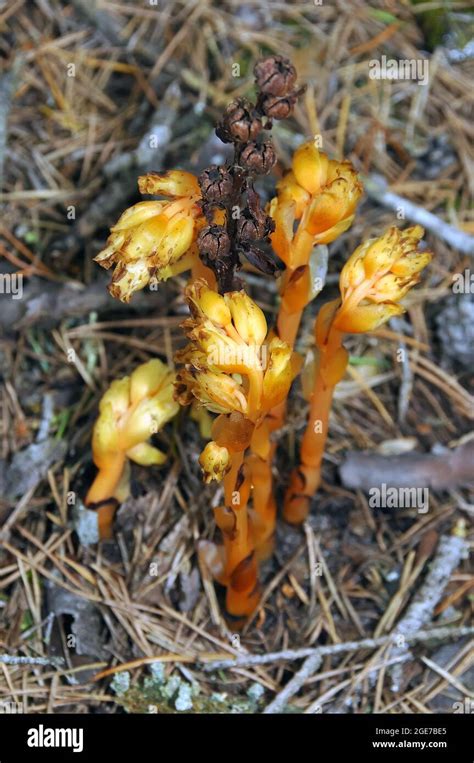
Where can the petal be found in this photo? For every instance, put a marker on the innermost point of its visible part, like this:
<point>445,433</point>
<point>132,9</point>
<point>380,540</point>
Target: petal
<point>282,211</point>
<point>145,454</point>
<point>366,317</point>
<point>288,188</point>
<point>118,396</point>
<point>138,214</point>
<point>177,239</point>
<point>310,167</point>
<point>128,279</point>
<point>172,183</point>
<point>248,318</point>
<point>148,378</point>
<point>330,235</point>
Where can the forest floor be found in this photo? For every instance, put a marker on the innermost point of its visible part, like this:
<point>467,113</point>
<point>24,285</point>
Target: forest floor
<point>93,96</point>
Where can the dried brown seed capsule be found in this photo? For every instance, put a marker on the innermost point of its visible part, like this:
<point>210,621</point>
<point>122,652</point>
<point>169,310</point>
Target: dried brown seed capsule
<point>266,263</point>
<point>258,158</point>
<point>248,228</point>
<point>278,107</point>
<point>216,183</point>
<point>214,242</point>
<point>275,75</point>
<point>240,123</point>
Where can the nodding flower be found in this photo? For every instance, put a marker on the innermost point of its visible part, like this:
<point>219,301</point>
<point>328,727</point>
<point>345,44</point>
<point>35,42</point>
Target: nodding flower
<point>229,366</point>
<point>154,240</point>
<point>320,193</point>
<point>215,462</point>
<point>377,276</point>
<point>130,412</point>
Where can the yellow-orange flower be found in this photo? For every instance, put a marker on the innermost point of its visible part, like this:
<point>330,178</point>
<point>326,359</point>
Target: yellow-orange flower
<point>130,412</point>
<point>228,365</point>
<point>377,276</point>
<point>215,462</point>
<point>154,240</point>
<point>320,193</point>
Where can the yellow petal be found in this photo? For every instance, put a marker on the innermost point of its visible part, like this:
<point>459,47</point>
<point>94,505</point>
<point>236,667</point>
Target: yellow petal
<point>310,167</point>
<point>145,239</point>
<point>279,374</point>
<point>177,239</point>
<point>411,264</point>
<point>289,188</point>
<point>172,183</point>
<point>282,211</point>
<point>248,318</point>
<point>127,280</point>
<point>145,454</point>
<point>117,396</point>
<point>366,317</point>
<point>147,379</point>
<point>138,214</point>
<point>105,437</point>
<point>206,302</point>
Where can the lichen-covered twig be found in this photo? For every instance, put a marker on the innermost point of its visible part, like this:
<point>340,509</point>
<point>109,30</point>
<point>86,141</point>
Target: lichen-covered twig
<point>456,238</point>
<point>451,550</point>
<point>250,660</point>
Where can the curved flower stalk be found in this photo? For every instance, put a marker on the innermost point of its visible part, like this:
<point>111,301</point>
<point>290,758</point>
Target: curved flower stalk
<point>318,196</point>
<point>154,240</point>
<point>131,410</point>
<point>232,370</point>
<point>374,279</point>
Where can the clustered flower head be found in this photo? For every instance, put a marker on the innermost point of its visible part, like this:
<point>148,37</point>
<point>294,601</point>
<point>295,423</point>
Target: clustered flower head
<point>130,412</point>
<point>377,276</point>
<point>230,368</point>
<point>320,193</point>
<point>154,240</point>
<point>374,279</point>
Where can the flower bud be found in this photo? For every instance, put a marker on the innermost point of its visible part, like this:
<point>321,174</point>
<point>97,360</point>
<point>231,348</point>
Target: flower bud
<point>215,462</point>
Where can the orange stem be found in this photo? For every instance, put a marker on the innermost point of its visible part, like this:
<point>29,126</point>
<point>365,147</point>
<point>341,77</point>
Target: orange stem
<point>103,488</point>
<point>305,479</point>
<point>241,566</point>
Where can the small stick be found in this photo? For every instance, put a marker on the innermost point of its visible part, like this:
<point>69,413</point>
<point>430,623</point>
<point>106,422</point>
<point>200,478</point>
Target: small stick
<point>438,634</point>
<point>450,552</point>
<point>448,233</point>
